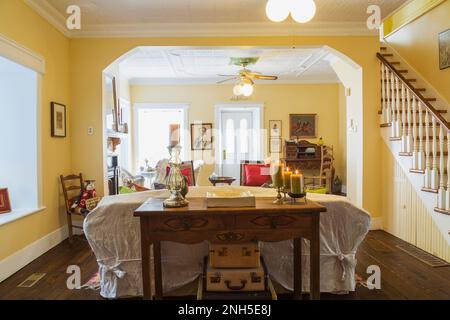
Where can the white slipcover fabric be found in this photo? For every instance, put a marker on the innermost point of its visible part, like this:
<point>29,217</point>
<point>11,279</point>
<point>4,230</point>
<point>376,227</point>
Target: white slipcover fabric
<point>114,235</point>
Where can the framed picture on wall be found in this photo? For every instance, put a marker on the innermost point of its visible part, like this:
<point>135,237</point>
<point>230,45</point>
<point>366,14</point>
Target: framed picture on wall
<point>5,203</point>
<point>275,128</point>
<point>303,126</point>
<point>444,49</point>
<point>201,136</point>
<point>275,145</point>
<point>58,120</point>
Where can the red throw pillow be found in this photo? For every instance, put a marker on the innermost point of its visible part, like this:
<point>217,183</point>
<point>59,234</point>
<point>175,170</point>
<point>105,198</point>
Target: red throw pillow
<point>256,174</point>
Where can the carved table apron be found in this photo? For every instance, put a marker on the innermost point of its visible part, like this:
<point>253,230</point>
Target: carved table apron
<point>266,222</point>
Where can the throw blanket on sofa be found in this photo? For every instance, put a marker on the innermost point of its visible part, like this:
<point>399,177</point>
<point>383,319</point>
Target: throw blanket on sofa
<point>114,235</point>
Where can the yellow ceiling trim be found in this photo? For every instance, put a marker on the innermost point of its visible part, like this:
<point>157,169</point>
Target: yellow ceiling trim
<point>408,13</point>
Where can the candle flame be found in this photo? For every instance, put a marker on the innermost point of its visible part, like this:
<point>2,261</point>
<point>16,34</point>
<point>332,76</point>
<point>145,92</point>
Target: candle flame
<point>297,172</point>
<point>287,169</point>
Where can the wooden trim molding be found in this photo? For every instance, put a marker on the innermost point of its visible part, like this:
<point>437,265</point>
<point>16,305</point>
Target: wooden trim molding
<point>406,14</point>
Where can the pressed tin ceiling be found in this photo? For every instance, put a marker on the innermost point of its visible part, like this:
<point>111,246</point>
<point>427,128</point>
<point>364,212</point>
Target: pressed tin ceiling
<point>122,17</point>
<point>151,65</point>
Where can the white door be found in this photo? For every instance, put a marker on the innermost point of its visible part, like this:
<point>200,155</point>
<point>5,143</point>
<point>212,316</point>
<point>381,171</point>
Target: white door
<point>236,137</point>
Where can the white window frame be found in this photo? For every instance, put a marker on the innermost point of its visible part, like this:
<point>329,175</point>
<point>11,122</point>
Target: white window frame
<point>257,110</point>
<point>19,54</point>
<point>185,152</point>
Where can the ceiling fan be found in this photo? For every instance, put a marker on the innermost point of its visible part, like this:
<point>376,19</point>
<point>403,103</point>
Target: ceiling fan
<point>245,77</point>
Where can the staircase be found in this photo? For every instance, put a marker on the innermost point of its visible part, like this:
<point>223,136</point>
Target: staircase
<point>414,126</point>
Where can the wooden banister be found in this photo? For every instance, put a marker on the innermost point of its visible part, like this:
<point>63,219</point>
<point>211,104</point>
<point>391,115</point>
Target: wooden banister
<point>435,114</point>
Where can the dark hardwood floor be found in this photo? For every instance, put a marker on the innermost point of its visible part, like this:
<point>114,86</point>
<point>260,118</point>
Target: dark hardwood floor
<point>402,277</point>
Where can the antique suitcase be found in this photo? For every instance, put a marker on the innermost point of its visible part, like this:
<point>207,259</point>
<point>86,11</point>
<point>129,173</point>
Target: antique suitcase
<point>245,255</point>
<point>235,280</point>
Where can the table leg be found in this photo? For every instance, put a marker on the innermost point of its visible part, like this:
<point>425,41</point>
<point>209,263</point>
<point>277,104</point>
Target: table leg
<point>298,268</point>
<point>145,261</point>
<point>158,270</point>
<point>315,260</point>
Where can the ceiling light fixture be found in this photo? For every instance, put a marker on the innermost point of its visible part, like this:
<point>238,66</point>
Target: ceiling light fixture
<point>302,11</point>
<point>244,87</point>
<point>278,10</point>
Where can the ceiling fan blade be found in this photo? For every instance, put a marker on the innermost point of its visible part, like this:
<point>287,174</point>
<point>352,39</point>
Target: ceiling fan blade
<point>226,80</point>
<point>264,77</point>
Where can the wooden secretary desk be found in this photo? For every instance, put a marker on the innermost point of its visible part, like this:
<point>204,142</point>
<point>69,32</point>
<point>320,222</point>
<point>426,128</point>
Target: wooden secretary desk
<point>302,155</point>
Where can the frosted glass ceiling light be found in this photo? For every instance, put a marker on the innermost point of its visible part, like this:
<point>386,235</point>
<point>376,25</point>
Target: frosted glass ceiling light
<point>278,10</point>
<point>247,89</point>
<point>237,90</point>
<point>302,11</point>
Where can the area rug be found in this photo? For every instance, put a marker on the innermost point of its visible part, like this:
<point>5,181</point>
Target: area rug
<point>93,283</point>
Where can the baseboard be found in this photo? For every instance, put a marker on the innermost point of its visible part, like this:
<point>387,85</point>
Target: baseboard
<point>376,224</point>
<point>24,256</point>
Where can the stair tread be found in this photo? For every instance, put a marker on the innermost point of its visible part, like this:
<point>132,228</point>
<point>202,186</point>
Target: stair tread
<point>443,211</point>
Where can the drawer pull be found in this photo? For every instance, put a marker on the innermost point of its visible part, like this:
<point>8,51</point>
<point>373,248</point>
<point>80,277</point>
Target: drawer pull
<point>236,288</point>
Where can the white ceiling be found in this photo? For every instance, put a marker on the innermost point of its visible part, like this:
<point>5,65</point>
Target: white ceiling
<point>199,11</point>
<point>206,17</point>
<point>151,65</point>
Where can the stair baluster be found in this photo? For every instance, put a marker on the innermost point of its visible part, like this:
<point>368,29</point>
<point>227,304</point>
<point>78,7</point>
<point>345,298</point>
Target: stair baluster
<point>394,108</point>
<point>427,176</point>
<point>408,143</point>
<point>421,154</point>
<point>387,89</point>
<point>403,128</point>
<point>441,193</point>
<point>397,107</point>
<point>434,168</point>
<point>415,164</point>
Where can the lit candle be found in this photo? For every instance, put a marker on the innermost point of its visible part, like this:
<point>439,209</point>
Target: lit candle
<point>297,184</point>
<point>287,179</point>
<point>174,134</point>
<point>277,174</point>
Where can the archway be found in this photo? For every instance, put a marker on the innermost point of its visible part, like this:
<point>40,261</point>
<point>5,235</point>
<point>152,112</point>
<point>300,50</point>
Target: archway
<point>350,76</point>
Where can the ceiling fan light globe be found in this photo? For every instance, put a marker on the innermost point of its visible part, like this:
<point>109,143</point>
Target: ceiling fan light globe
<point>247,89</point>
<point>277,10</point>
<point>237,90</point>
<point>303,11</point>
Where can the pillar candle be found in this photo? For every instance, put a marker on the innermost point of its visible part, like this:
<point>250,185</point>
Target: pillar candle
<point>297,183</point>
<point>174,134</point>
<point>277,174</point>
<point>287,179</point>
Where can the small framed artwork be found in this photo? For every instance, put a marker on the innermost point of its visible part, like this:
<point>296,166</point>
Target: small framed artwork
<point>444,49</point>
<point>275,128</point>
<point>201,136</point>
<point>5,203</point>
<point>58,120</point>
<point>275,145</point>
<point>303,126</point>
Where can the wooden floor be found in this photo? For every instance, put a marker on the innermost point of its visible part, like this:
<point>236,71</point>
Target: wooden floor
<point>402,277</point>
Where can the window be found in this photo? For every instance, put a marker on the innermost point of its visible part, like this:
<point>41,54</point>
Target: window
<point>152,131</point>
<point>18,129</point>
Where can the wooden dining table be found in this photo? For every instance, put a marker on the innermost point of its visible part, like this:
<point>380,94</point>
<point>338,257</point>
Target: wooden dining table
<point>267,222</point>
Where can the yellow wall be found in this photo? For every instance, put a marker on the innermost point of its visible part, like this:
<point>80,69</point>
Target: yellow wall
<point>417,43</point>
<point>279,101</point>
<point>90,56</point>
<point>20,23</point>
<point>404,214</point>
